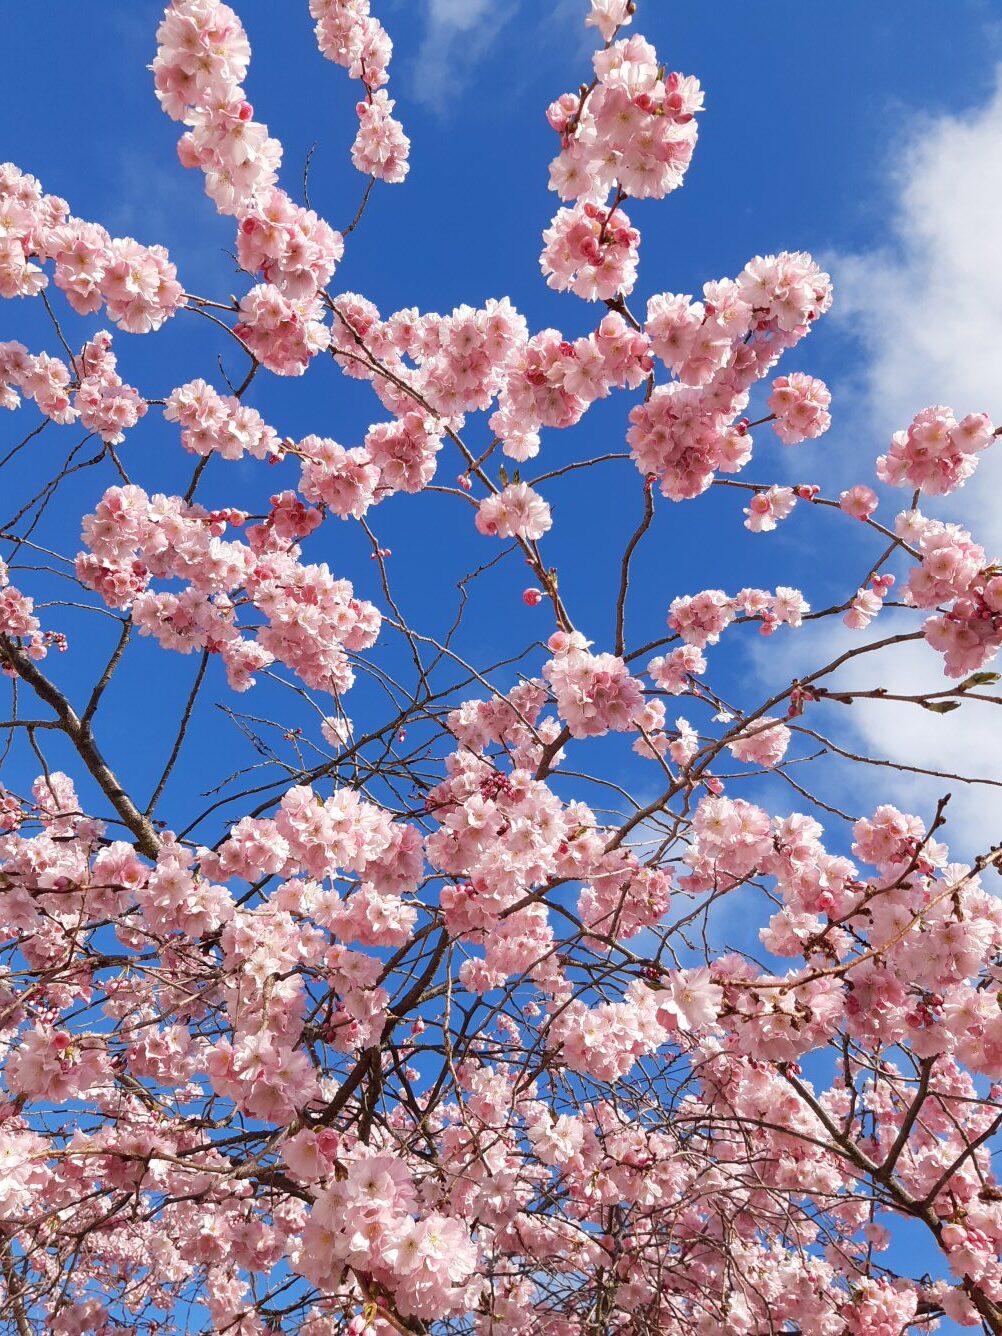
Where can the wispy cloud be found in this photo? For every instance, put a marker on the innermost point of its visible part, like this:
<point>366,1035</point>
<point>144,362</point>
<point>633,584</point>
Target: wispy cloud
<point>457,35</point>
<point>927,304</point>
<point>886,733</point>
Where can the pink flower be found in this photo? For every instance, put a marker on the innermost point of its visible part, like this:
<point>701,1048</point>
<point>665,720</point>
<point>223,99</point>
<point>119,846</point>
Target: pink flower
<point>866,604</point>
<point>381,147</point>
<point>344,480</point>
<point>594,692</point>
<point>937,454</point>
<point>608,15</point>
<point>766,508</point>
<point>675,671</point>
<point>692,1000</point>
<point>859,501</point>
<point>288,245</point>
<point>764,743</point>
<point>591,252</point>
<point>282,333</point>
<point>517,512</point>
<point>634,129</point>
<point>800,404</point>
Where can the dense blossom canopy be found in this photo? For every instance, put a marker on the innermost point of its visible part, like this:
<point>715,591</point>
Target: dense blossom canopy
<point>421,1030</point>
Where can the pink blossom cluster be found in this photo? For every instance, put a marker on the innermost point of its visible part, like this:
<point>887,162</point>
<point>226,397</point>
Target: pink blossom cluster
<point>510,720</point>
<point>778,296</point>
<point>623,897</point>
<point>595,693</point>
<point>677,439</point>
<point>463,356</point>
<point>954,570</point>
<point>313,621</point>
<point>880,1308</point>
<point>800,404</point>
<point>289,246</point>
<point>202,59</point>
<point>867,602</point>
<point>398,456</point>
<point>634,129</point>
<point>605,1041</point>
<point>40,377</point>
<point>718,348</point>
<point>380,149</point>
<point>517,512</point>
<point>105,404</point>
<point>591,252</point>
<point>459,363</point>
<point>501,832</point>
<point>282,333</point>
<point>405,451</point>
<point>763,743</point>
<point>17,617</point>
<point>137,285</point>
<point>675,672</point>
<point>551,382</point>
<point>767,507</point>
<point>734,839</point>
<point>456,363</point>
<point>324,839</point>
<point>936,454</point>
<point>371,1220</point>
<point>56,1065</point>
<point>345,481</point>
<point>349,35</point>
<point>700,619</point>
<point>101,401</point>
<point>609,15</point>
<point>217,423</point>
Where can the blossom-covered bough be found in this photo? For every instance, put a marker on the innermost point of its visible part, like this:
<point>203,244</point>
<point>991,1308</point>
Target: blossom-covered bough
<point>416,1023</point>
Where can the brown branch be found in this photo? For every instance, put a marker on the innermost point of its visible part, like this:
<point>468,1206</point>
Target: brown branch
<point>82,738</point>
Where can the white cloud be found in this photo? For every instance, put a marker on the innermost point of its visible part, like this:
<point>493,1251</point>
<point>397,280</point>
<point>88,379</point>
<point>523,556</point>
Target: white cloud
<point>927,305</point>
<point>964,742</point>
<point>457,34</point>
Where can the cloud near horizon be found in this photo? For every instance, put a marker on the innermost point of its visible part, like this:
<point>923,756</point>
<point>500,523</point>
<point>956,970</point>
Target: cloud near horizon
<point>926,308</point>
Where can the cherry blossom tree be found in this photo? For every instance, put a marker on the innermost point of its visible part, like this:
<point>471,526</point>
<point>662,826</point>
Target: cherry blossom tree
<point>416,1023</point>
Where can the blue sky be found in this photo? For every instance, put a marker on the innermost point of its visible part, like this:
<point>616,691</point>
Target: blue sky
<point>813,138</point>
<point>829,128</point>
<point>812,113</point>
